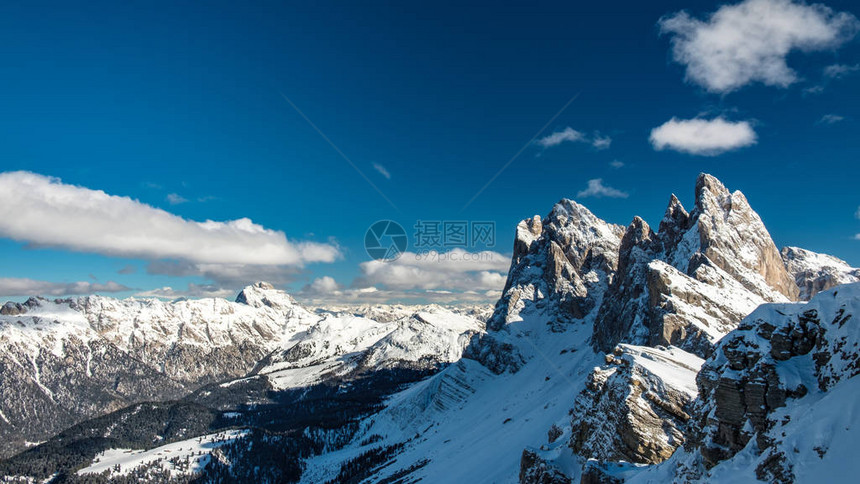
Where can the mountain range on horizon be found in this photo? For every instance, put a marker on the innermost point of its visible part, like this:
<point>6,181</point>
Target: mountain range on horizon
<point>615,354</point>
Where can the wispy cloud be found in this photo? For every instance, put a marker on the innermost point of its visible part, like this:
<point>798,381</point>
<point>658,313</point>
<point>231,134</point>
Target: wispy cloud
<point>601,142</point>
<point>616,164</point>
<point>10,286</point>
<point>838,71</point>
<point>570,135</point>
<point>814,89</point>
<point>375,295</point>
<point>192,291</point>
<point>128,269</point>
<point>749,41</point>
<point>559,137</point>
<point>702,136</point>
<point>48,213</point>
<point>382,170</point>
<point>597,189</point>
<point>830,119</point>
<point>175,199</point>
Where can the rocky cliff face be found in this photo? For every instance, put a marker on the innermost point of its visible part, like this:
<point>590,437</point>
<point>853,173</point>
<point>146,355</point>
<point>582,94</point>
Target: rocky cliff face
<point>777,400</point>
<point>560,266</point>
<point>743,385</point>
<point>636,407</point>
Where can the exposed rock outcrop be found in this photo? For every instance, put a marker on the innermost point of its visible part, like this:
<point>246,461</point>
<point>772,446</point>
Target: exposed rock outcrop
<point>815,272</point>
<point>777,398</point>
<point>733,237</point>
<point>742,385</point>
<point>686,285</point>
<point>635,408</point>
<point>534,470</point>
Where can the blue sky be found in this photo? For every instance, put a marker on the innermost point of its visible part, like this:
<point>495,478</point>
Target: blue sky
<point>180,106</point>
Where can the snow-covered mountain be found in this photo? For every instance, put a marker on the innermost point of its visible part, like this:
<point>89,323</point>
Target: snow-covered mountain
<point>537,398</point>
<point>615,353</point>
<point>815,272</point>
<point>69,360</point>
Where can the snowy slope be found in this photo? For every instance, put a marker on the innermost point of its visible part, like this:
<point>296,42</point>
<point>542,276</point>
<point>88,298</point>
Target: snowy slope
<point>183,458</point>
<point>467,424</point>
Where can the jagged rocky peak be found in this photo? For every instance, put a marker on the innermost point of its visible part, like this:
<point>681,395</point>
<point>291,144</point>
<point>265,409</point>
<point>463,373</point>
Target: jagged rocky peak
<point>814,272</point>
<point>675,222</point>
<point>686,284</point>
<point>689,283</point>
<point>560,258</point>
<point>12,308</point>
<point>623,315</point>
<point>733,236</point>
<point>264,294</point>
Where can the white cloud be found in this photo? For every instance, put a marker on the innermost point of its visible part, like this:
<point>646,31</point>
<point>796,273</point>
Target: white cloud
<point>814,90</point>
<point>601,142</point>
<point>175,199</point>
<point>569,134</point>
<point>382,170</point>
<point>456,270</point>
<point>831,119</point>
<point>748,42</point>
<point>10,286</point>
<point>858,213</point>
<point>838,71</point>
<point>596,188</point>
<point>702,136</point>
<point>559,137</point>
<point>322,285</point>
<point>46,212</point>
<point>616,164</point>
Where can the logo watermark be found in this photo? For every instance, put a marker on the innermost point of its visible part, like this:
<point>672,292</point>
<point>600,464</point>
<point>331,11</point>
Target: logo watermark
<point>433,240</point>
<point>454,256</point>
<point>385,240</point>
